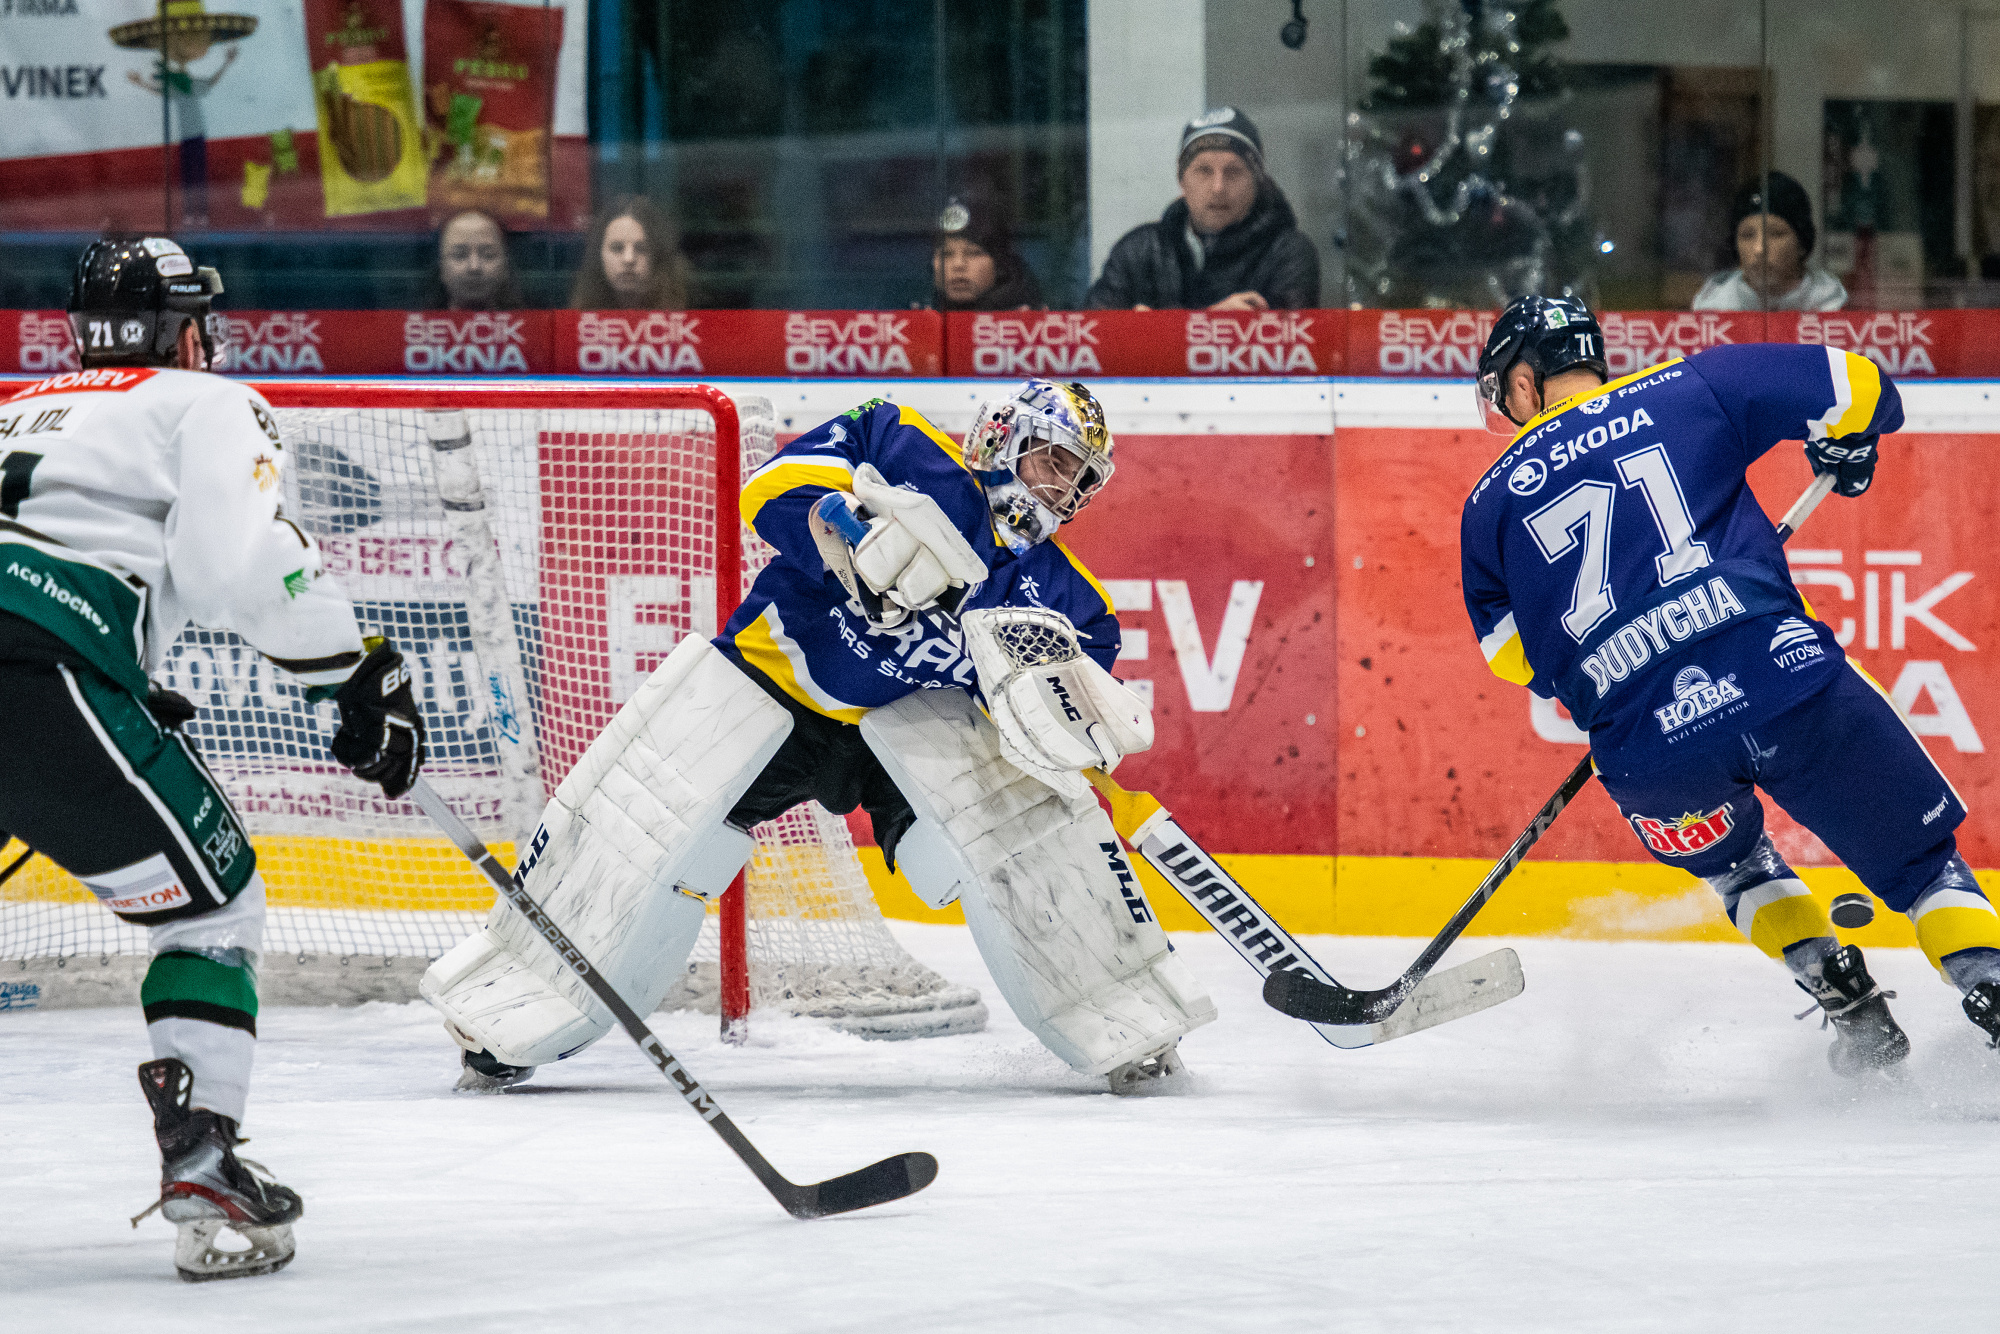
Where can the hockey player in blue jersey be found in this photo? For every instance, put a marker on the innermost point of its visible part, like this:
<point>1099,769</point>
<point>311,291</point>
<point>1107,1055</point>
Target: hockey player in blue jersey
<point>1615,559</point>
<point>921,647</point>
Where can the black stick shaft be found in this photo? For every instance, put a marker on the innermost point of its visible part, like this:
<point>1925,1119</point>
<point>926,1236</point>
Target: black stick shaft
<point>677,1074</point>
<point>1807,502</point>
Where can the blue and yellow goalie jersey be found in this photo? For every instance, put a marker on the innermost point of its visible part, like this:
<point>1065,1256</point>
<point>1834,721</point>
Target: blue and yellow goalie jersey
<point>1618,528</point>
<point>797,625</point>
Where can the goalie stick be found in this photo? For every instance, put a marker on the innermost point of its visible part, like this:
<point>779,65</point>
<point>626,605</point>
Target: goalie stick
<point>1266,946</point>
<point>878,1183</point>
<point>1324,1001</point>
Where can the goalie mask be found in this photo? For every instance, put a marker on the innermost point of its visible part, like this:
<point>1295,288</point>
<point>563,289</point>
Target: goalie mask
<point>130,299</point>
<point>1042,453</point>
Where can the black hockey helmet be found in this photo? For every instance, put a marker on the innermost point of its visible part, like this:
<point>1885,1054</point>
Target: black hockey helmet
<point>1552,334</point>
<point>129,300</point>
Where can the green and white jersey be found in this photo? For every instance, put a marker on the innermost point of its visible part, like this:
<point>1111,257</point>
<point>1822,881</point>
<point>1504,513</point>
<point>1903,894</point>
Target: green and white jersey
<point>134,500</point>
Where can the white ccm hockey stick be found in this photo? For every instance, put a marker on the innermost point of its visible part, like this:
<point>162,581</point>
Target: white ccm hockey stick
<point>1266,946</point>
<point>878,1183</point>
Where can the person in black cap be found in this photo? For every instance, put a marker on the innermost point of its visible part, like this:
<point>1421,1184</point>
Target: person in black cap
<point>974,265</point>
<point>1774,236</point>
<point>1230,242</point>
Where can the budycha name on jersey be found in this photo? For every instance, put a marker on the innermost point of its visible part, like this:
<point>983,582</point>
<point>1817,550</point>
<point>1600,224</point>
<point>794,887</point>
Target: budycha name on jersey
<point>1632,645</point>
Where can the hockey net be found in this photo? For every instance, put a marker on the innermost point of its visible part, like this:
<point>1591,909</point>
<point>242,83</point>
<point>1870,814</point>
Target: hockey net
<point>534,551</point>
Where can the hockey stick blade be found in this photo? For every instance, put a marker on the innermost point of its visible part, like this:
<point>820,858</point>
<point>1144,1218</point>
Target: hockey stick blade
<point>878,1183</point>
<point>1440,998</point>
<point>1302,996</point>
<point>1263,943</point>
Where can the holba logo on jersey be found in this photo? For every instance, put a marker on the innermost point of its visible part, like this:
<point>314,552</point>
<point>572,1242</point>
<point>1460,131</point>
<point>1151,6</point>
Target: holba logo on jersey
<point>1689,834</point>
<point>1696,696</point>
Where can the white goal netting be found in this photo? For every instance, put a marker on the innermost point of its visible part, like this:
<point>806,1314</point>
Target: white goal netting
<point>532,580</point>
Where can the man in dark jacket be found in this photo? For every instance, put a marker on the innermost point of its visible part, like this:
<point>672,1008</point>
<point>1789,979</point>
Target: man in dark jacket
<point>1230,242</point>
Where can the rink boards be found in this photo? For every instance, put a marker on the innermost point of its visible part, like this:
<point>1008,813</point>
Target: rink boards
<point>1283,558</point>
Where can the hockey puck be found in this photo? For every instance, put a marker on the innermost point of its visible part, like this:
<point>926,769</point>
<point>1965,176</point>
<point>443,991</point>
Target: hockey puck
<point>1852,911</point>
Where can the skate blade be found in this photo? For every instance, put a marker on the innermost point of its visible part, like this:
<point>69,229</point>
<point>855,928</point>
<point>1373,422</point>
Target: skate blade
<point>1162,1078</point>
<point>199,1259</point>
<point>471,1081</point>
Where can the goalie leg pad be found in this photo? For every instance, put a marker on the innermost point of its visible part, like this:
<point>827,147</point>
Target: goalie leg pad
<point>631,848</point>
<point>1053,905</point>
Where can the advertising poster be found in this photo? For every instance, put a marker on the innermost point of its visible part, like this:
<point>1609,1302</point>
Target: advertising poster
<point>489,102</point>
<point>209,114</point>
<point>371,147</point>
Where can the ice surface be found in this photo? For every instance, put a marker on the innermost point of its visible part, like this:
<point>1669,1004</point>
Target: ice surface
<point>1644,1140</point>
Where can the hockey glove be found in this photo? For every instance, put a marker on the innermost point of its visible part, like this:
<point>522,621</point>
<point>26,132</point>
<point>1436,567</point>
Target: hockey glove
<point>1850,458</point>
<point>381,736</point>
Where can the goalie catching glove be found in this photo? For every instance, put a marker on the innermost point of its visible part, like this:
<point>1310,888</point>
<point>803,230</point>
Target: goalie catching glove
<point>1057,711</point>
<point>381,735</point>
<point>892,549</point>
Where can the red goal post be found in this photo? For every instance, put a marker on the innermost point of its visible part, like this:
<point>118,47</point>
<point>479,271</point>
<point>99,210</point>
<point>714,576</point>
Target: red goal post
<point>734,1000</point>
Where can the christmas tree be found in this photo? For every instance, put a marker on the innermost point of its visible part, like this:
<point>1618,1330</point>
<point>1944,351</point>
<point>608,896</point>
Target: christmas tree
<point>1467,184</point>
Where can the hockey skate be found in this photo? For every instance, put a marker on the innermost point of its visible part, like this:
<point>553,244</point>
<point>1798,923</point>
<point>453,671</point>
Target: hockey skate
<point>1161,1072</point>
<point>1982,1007</point>
<point>1866,1036</point>
<point>482,1072</point>
<point>206,1190</point>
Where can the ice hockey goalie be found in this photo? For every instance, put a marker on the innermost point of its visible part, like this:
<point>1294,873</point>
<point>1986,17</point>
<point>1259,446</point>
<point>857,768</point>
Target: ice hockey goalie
<point>921,647</point>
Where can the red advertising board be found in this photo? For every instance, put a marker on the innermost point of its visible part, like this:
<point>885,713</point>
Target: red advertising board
<point>1076,344</point>
<point>748,342</point>
<point>1004,345</point>
<point>771,343</point>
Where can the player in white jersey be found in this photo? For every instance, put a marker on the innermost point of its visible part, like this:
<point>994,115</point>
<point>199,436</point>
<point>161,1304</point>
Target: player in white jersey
<point>136,495</point>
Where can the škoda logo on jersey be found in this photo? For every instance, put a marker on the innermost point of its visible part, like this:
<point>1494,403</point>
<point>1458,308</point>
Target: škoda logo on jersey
<point>1691,833</point>
<point>637,344</point>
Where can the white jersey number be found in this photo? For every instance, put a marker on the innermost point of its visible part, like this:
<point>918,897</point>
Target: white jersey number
<point>1582,516</point>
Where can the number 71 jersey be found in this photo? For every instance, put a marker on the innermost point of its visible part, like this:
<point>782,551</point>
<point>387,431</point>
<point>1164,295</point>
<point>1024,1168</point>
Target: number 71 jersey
<point>1618,528</point>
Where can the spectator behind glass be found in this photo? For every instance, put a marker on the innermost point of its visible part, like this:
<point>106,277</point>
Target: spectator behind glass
<point>1230,242</point>
<point>633,260</point>
<point>1771,252</point>
<point>974,265</point>
<point>473,271</point>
